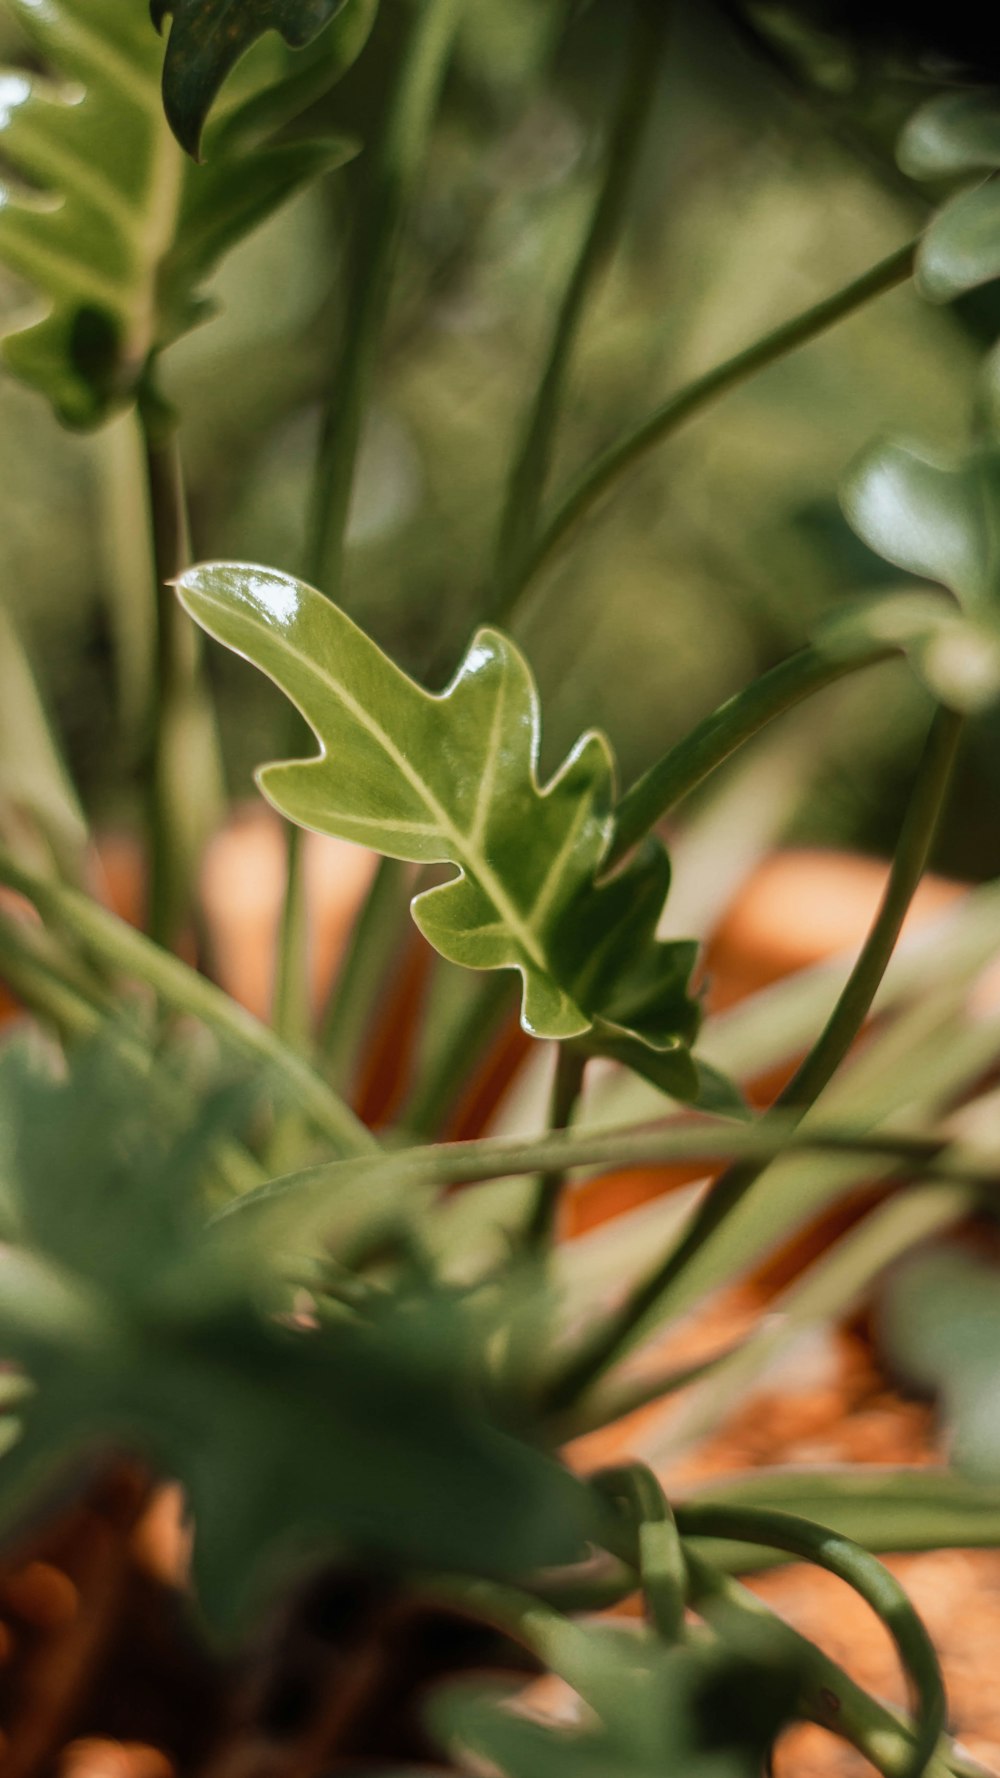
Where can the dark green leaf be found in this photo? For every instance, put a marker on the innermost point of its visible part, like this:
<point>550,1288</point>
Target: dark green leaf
<point>208,38</point>
<point>939,519</point>
<point>453,779</point>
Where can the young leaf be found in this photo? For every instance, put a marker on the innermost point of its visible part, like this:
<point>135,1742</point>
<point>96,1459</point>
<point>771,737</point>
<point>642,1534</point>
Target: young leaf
<point>103,216</point>
<point>453,779</point>
<point>956,132</point>
<point>208,37</point>
<point>961,247</point>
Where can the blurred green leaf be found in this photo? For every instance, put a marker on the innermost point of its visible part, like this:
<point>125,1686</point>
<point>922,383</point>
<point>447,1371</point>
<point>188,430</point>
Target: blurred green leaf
<point>961,247</point>
<point>142,1330</point>
<point>941,1324</point>
<point>208,38</point>
<point>453,779</point>
<point>34,781</point>
<point>957,132</point>
<point>120,258</point>
<point>660,1710</point>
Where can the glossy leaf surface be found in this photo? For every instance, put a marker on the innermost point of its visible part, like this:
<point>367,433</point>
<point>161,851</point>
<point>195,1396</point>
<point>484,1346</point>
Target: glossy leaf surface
<point>126,231</point>
<point>961,248</point>
<point>141,1329</point>
<point>208,38</point>
<point>453,779</point>
<point>954,133</point>
<point>940,520</point>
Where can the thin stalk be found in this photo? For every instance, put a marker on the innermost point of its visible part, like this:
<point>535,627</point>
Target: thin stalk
<point>290,1004</point>
<point>566,1089</point>
<point>445,1065</point>
<point>876,1586</point>
<point>845,1022</point>
<point>38,985</point>
<point>184,774</point>
<point>600,476</point>
<point>659,1550</point>
<point>396,164</point>
<point>347,1018</point>
<point>532,463</point>
<point>119,947</point>
<point>735,722</point>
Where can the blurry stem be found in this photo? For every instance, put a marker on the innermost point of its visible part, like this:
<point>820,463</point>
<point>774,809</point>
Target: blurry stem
<point>185,776</point>
<point>879,1589</point>
<point>40,987</point>
<point>566,1089</point>
<point>128,572</point>
<point>601,475</point>
<point>601,1350</point>
<point>530,469</point>
<point>117,946</point>
<point>349,1011</point>
<point>658,1548</point>
<point>445,1066</point>
<point>396,159</point>
<point>719,735</point>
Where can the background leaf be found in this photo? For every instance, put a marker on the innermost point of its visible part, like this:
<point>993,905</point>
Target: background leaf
<point>453,779</point>
<point>208,38</point>
<point>961,247</point>
<point>120,258</point>
<point>956,132</point>
<point>941,1324</point>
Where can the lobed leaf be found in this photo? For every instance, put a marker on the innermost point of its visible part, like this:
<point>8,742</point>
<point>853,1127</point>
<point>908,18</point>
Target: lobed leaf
<point>957,133</point>
<point>208,37</point>
<point>452,779</point>
<point>101,214</point>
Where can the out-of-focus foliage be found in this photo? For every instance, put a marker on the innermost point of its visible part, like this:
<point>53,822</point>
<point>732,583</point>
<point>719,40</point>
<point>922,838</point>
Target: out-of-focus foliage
<point>724,547</point>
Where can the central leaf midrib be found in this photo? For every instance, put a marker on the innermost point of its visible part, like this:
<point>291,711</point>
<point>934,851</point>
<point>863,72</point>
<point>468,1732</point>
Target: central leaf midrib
<point>464,854</point>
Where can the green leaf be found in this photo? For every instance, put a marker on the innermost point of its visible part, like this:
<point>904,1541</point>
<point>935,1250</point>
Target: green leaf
<point>941,1324</point>
<point>961,245</point>
<point>453,779</point>
<point>101,213</point>
<point>141,1329</point>
<point>208,38</point>
<point>941,520</point>
<point>698,1712</point>
<point>957,132</point>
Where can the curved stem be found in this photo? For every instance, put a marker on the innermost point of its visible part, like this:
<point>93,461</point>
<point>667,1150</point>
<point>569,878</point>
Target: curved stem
<point>661,1555</point>
<point>112,943</point>
<point>850,1563</point>
<point>846,1020</point>
<point>532,462</point>
<point>599,477</point>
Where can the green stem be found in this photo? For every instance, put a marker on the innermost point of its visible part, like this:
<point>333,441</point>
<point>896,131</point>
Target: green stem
<point>185,774</point>
<point>532,463</point>
<point>398,160</point>
<point>566,1089</point>
<point>719,735</point>
<point>41,988</point>
<point>661,1563</point>
<point>112,943</point>
<point>378,932</point>
<point>457,1040</point>
<point>849,1562</point>
<point>827,1695</point>
<point>843,1026</point>
<point>290,1008</point>
<point>601,475</point>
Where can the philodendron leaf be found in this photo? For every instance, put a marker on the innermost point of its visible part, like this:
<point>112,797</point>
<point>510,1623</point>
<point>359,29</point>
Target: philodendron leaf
<point>207,39</point>
<point>961,246</point>
<point>940,520</point>
<point>127,231</point>
<point>954,133</point>
<point>453,779</point>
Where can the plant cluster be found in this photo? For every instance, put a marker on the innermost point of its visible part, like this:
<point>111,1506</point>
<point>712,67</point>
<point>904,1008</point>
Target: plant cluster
<point>369,1350</point>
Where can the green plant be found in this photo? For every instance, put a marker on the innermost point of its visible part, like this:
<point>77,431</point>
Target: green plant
<point>210,1261</point>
